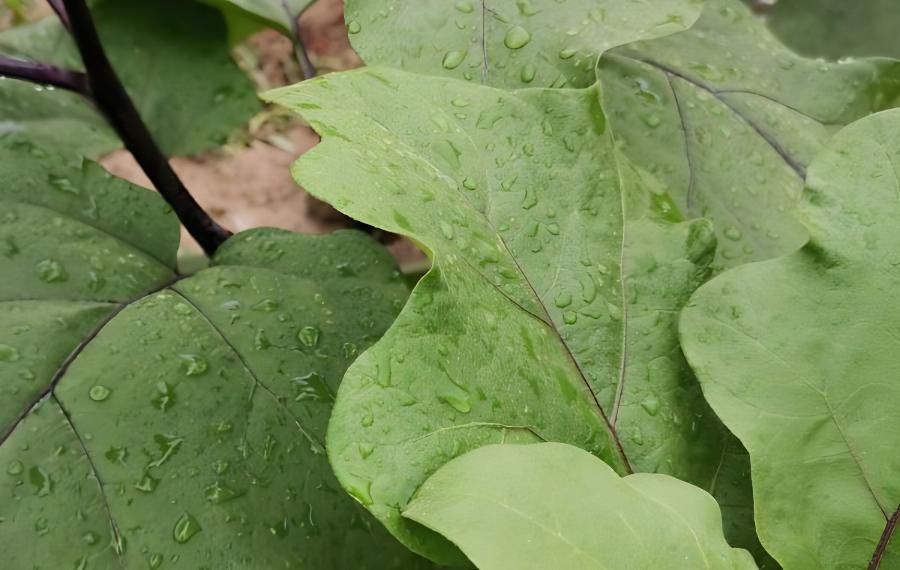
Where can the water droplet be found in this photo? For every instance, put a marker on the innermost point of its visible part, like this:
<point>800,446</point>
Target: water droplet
<point>563,300</point>
<point>90,538</point>
<point>516,37</point>
<point>98,393</point>
<point>469,183</point>
<point>567,53</point>
<point>15,467</point>
<point>41,481</point>
<point>350,350</point>
<point>465,6</point>
<point>452,59</point>
<point>218,493</point>
<point>165,396</point>
<point>51,271</point>
<point>185,528</point>
<point>147,484</point>
<point>280,528</point>
<point>651,405</point>
<point>354,27</point>
<point>312,387</point>
<point>365,450</point>
<point>446,229</point>
<point>528,73</point>
<point>733,233</point>
<point>8,353</point>
<point>309,336</point>
<point>652,120</point>
<point>193,365</point>
<point>570,317</point>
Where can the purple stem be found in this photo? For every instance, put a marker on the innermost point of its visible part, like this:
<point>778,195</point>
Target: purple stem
<point>44,74</point>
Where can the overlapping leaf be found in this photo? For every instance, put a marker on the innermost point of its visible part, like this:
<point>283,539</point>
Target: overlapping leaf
<point>728,119</point>
<point>171,55</point>
<point>512,507</point>
<point>151,420</point>
<point>546,316</point>
<point>507,43</point>
<point>723,115</point>
<point>835,28</point>
<point>799,357</point>
<point>279,14</point>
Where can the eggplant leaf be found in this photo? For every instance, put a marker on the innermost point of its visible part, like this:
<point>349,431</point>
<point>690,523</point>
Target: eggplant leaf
<point>173,58</point>
<point>151,419</point>
<point>798,356</point>
<point>550,505</point>
<point>678,105</point>
<point>539,43</point>
<point>728,119</point>
<point>836,28</point>
<point>546,315</point>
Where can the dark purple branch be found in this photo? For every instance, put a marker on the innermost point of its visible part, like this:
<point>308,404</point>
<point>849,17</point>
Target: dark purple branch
<point>112,99</point>
<point>882,546</point>
<point>306,66</point>
<point>60,10</point>
<point>44,74</point>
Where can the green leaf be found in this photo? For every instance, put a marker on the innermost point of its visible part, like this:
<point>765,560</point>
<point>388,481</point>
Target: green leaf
<point>150,419</point>
<point>798,357</point>
<point>539,43</point>
<point>835,28</point>
<point>171,55</point>
<point>546,316</point>
<point>524,507</point>
<point>723,115</point>
<point>728,119</point>
<point>278,14</point>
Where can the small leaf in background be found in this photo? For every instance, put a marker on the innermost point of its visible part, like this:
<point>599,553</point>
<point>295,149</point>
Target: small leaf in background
<point>837,28</point>
<point>152,420</point>
<point>507,43</point>
<point>278,14</point>
<point>798,356</point>
<point>172,56</point>
<point>550,505</point>
<point>550,312</point>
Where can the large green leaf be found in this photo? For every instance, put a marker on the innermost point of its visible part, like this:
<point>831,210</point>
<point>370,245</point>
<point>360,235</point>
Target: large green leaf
<point>508,43</point>
<point>171,55</point>
<point>550,505</point>
<point>837,28</point>
<point>799,357</point>
<point>279,14</point>
<point>723,115</point>
<point>153,420</point>
<point>545,316</point>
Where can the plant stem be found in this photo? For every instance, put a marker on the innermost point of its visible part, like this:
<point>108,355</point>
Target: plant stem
<point>306,66</point>
<point>44,74</point>
<point>61,13</point>
<point>112,99</point>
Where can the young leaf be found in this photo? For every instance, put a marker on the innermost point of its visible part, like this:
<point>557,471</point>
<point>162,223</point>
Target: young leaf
<point>835,28</point>
<point>722,114</point>
<point>798,357</point>
<point>278,14</point>
<point>540,43</point>
<point>550,505</point>
<point>150,418</point>
<point>546,315</point>
<point>171,55</point>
